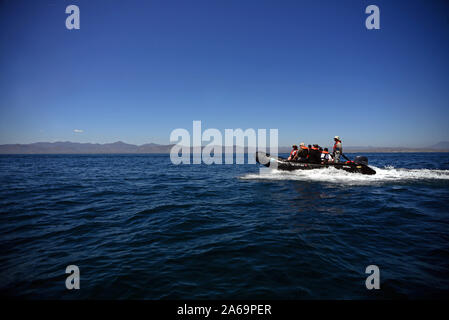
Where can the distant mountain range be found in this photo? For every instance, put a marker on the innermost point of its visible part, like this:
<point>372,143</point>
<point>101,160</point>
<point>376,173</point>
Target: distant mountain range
<point>121,147</point>
<point>441,145</point>
<point>82,148</point>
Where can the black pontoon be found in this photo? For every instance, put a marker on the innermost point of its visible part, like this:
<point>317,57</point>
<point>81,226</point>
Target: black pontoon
<point>359,165</point>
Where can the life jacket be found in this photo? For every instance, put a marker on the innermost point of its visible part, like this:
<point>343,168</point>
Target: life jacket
<point>293,153</point>
<point>324,151</point>
<point>315,156</point>
<point>306,149</point>
<point>316,150</point>
<point>335,144</point>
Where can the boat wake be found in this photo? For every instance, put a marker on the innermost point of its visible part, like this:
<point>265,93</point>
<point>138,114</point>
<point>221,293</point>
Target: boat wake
<point>332,175</point>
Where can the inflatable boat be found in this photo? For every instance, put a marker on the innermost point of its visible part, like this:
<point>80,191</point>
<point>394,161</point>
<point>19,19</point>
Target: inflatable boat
<point>359,165</point>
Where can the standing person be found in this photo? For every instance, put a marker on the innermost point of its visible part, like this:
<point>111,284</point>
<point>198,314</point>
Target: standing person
<point>293,152</point>
<point>338,149</point>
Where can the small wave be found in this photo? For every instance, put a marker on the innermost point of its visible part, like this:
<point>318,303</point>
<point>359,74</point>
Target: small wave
<point>332,175</point>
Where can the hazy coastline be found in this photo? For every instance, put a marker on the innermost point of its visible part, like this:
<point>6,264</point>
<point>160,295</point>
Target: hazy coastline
<point>120,147</point>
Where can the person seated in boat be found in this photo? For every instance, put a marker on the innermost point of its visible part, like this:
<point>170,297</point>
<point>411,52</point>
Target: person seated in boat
<point>314,154</point>
<point>309,149</point>
<point>303,153</point>
<point>326,156</point>
<point>338,149</point>
<point>320,149</point>
<point>293,153</point>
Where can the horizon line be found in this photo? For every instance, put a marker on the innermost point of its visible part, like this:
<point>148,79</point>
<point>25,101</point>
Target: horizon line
<point>204,145</point>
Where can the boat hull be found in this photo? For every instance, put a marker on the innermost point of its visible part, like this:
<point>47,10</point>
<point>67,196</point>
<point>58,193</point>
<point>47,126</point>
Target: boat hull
<point>283,164</point>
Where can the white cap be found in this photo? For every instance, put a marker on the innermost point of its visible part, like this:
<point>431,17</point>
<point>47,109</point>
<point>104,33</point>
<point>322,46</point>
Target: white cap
<point>337,137</point>
<point>302,144</point>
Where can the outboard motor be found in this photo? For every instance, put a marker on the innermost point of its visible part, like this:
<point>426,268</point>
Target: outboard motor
<point>361,160</point>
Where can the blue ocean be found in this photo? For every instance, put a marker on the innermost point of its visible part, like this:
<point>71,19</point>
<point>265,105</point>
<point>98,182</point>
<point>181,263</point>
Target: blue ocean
<point>139,227</point>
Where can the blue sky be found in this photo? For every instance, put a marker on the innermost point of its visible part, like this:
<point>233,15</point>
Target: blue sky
<point>136,70</point>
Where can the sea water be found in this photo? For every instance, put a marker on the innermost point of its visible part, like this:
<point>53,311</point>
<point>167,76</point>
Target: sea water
<point>138,226</point>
